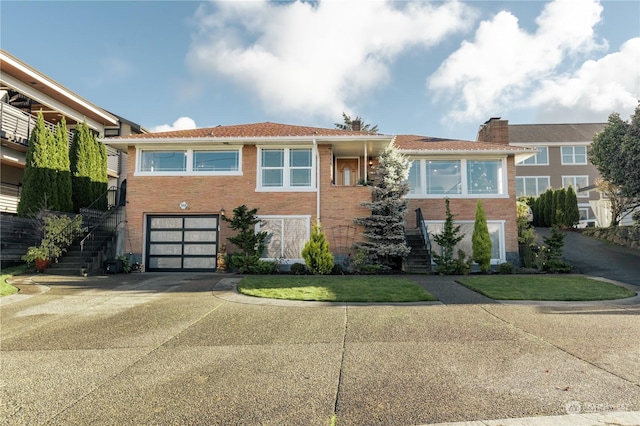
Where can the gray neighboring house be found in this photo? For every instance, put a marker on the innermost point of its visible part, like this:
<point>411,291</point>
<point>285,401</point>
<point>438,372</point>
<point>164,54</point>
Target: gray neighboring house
<point>561,161</point>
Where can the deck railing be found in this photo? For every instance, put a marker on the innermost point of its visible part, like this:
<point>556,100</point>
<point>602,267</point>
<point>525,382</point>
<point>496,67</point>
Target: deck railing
<point>17,124</point>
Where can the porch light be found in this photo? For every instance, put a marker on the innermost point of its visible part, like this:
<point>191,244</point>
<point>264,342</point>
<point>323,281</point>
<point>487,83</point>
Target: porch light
<point>222,212</point>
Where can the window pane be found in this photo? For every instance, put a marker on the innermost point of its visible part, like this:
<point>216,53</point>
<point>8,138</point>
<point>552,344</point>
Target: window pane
<point>200,236</point>
<point>199,248</point>
<point>166,222</point>
<point>300,177</point>
<point>295,237</point>
<point>415,181</point>
<point>206,161</point>
<point>199,263</point>
<point>165,262</point>
<point>165,236</point>
<point>543,185</point>
<point>165,249</point>
<point>443,177</point>
<point>200,222</point>
<point>541,158</point>
<point>484,177</point>
<point>272,158</point>
<point>300,158</point>
<point>272,177</point>
<point>164,161</point>
<point>520,190</point>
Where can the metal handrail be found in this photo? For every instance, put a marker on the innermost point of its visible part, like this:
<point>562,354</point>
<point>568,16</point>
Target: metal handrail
<point>108,223</point>
<point>423,229</point>
<point>100,215</point>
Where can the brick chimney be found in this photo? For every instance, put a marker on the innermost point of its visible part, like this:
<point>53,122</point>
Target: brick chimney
<point>356,125</point>
<point>494,130</point>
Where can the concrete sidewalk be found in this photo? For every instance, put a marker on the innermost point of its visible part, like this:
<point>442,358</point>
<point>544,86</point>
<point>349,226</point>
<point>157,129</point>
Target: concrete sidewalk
<point>188,349</point>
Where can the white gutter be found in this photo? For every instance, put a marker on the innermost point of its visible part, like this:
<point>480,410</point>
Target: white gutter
<point>317,156</point>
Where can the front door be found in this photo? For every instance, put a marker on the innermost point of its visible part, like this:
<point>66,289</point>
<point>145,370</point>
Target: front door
<point>347,171</point>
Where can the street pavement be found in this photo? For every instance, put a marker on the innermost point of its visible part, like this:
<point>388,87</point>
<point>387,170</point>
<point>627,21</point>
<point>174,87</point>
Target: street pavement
<point>187,349</point>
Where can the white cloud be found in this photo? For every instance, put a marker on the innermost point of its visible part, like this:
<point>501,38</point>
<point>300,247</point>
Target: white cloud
<point>315,59</point>
<point>610,84</point>
<point>182,123</point>
<point>505,67</point>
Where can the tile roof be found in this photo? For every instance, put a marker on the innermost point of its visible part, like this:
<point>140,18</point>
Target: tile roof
<point>426,143</point>
<point>266,129</point>
<point>576,132</point>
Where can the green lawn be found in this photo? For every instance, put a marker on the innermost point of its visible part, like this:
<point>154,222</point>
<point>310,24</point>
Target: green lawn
<point>332,288</point>
<point>5,288</point>
<point>544,287</point>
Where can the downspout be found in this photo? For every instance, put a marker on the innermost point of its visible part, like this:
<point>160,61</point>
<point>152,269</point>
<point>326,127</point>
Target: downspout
<point>366,163</point>
<point>317,156</point>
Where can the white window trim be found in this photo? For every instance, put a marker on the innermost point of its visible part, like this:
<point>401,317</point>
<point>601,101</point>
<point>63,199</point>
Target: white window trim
<point>573,155</point>
<point>286,169</point>
<point>575,188</point>
<point>463,177</point>
<point>503,255</point>
<point>308,229</point>
<point>535,157</point>
<point>189,167</point>
<point>537,187</point>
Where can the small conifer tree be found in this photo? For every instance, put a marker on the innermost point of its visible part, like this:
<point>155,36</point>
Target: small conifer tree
<point>572,213</point>
<point>481,240</point>
<point>559,197</point>
<point>447,240</point>
<point>251,244</point>
<point>316,253</point>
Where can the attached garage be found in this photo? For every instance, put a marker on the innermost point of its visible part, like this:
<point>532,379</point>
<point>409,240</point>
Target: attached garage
<point>182,243</point>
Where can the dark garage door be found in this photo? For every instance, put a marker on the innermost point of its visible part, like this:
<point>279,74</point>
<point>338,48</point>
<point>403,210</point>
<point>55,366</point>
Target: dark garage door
<point>179,243</point>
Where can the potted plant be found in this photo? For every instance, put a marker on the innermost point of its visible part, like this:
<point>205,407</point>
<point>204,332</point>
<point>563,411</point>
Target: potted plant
<point>38,255</point>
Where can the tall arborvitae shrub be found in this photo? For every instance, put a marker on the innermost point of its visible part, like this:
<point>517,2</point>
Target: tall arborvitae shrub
<point>481,240</point>
<point>88,168</point>
<point>548,207</point>
<point>79,156</point>
<point>559,196</point>
<point>100,180</point>
<point>316,253</point>
<point>447,240</point>
<point>385,242</point>
<point>250,244</point>
<point>62,166</point>
<point>572,213</point>
<point>38,182</point>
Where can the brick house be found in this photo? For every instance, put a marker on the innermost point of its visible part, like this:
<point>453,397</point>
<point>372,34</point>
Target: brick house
<point>179,183</point>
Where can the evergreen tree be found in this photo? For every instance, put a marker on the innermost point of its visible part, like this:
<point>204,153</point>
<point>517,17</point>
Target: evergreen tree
<point>82,163</point>
<point>548,207</point>
<point>348,125</point>
<point>384,228</point>
<point>251,244</point>
<point>559,197</point>
<point>316,253</point>
<point>38,182</point>
<point>571,211</point>
<point>447,240</point>
<point>100,180</point>
<point>62,166</point>
<point>481,240</point>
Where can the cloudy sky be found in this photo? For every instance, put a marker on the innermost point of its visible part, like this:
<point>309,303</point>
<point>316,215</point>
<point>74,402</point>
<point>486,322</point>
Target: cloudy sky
<point>411,67</point>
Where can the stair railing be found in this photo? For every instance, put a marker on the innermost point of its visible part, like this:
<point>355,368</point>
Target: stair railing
<point>97,220</point>
<point>423,230</point>
<point>102,214</point>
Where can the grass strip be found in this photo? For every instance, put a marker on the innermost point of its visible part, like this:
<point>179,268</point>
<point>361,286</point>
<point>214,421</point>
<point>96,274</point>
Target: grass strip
<point>7,289</point>
<point>334,288</point>
<point>544,288</point>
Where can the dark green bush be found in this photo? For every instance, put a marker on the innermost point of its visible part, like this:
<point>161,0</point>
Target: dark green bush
<point>337,270</point>
<point>505,268</point>
<point>298,269</point>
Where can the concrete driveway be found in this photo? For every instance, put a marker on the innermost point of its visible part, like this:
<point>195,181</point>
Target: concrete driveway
<point>599,258</point>
<point>175,349</point>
